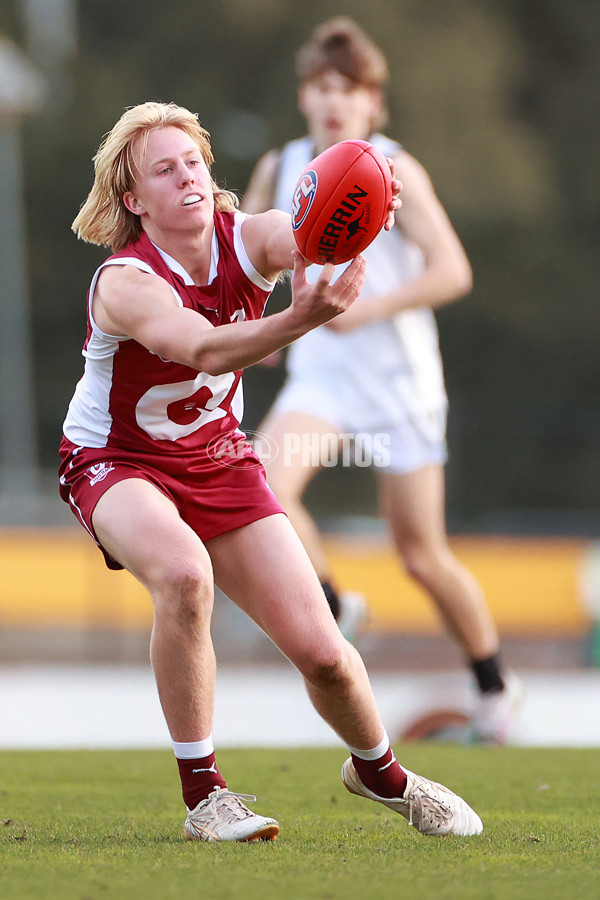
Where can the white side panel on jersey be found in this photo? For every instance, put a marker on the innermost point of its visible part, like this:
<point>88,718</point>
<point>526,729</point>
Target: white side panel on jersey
<point>243,258</point>
<point>93,390</point>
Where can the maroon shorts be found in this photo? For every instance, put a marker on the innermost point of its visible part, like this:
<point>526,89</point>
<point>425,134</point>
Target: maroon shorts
<point>212,496</point>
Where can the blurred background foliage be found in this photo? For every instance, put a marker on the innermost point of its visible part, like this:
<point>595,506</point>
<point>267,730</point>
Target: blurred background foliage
<point>497,98</point>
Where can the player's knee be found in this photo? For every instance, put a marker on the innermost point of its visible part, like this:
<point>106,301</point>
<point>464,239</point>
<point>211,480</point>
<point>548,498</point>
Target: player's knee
<point>185,592</point>
<point>331,671</point>
<point>420,561</point>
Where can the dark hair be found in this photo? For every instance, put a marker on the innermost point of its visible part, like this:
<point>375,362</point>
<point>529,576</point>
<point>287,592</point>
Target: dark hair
<point>342,45</point>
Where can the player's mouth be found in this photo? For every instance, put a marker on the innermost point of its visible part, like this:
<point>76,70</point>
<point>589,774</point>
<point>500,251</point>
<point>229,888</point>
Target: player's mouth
<point>191,199</point>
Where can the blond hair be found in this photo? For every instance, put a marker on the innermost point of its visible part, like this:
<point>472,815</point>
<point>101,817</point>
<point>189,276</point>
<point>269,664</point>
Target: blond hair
<point>104,219</point>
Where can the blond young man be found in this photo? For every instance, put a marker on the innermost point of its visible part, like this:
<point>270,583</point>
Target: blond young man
<point>155,467</point>
<point>377,370</point>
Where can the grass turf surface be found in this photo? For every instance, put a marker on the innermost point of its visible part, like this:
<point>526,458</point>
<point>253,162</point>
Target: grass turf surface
<point>89,825</point>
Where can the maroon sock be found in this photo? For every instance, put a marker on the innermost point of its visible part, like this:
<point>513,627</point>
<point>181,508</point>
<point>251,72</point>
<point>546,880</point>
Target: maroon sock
<point>199,778</point>
<point>383,776</point>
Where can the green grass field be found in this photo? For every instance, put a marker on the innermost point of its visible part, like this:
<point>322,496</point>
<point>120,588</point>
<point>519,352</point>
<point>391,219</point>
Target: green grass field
<point>91,825</point>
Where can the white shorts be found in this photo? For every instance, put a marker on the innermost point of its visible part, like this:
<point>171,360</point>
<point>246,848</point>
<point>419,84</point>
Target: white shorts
<point>395,448</point>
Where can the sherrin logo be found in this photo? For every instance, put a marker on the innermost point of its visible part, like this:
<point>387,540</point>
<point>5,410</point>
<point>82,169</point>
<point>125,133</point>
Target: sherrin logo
<point>303,197</point>
<point>341,221</point>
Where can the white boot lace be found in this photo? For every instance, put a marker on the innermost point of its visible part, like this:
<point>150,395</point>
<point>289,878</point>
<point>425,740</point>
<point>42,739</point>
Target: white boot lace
<point>230,805</point>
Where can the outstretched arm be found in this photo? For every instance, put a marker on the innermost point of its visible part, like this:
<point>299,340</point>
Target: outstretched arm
<point>142,307</point>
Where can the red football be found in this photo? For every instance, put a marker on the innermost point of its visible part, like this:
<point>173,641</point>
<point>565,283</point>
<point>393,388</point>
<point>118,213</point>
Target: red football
<point>341,202</point>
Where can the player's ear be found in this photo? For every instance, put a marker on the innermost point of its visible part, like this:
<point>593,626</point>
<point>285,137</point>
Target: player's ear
<point>132,203</point>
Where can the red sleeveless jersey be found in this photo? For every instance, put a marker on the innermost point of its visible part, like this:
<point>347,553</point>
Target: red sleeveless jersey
<point>133,400</point>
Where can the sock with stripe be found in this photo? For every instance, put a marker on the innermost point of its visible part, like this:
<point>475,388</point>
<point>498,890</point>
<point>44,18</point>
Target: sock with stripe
<point>379,770</point>
<point>198,770</point>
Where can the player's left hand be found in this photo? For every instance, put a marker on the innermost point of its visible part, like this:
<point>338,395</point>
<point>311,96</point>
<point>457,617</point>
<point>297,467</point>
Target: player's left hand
<point>319,302</point>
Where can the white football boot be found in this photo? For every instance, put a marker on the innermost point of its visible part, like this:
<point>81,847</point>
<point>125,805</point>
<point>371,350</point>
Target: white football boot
<point>429,807</point>
<point>496,711</point>
<point>223,817</point>
<point>353,614</point>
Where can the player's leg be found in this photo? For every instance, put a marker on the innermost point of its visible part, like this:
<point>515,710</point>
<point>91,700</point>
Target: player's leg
<point>275,584</point>
<point>300,438</point>
<point>414,505</point>
<point>273,581</point>
<point>141,528</point>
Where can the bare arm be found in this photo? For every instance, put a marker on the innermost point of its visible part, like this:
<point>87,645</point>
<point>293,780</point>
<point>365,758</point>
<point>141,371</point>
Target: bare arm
<point>141,306</point>
<point>446,274</point>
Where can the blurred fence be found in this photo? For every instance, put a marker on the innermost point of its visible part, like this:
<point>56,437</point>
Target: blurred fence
<point>54,585</point>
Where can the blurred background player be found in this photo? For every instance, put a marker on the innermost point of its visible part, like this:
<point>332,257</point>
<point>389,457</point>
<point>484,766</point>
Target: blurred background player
<point>377,368</point>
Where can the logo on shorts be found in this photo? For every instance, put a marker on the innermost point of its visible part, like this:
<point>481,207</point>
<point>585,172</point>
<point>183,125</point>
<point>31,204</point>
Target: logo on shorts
<point>303,197</point>
<point>98,472</point>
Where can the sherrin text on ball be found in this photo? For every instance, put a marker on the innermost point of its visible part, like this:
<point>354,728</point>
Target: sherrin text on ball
<point>341,202</point>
